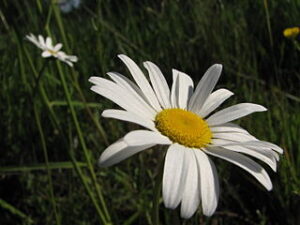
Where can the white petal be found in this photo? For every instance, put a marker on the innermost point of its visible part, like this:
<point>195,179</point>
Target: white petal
<point>34,40</point>
<point>255,145</point>
<point>261,148</point>
<point>234,112</point>
<point>125,83</point>
<point>132,89</point>
<point>122,97</point>
<point>118,152</point>
<point>145,137</point>
<point>213,101</point>
<point>128,116</point>
<point>228,127</point>
<point>66,58</point>
<point>159,84</point>
<point>46,54</point>
<point>174,90</point>
<point>263,144</point>
<point>174,175</point>
<point>42,41</point>
<point>141,81</point>
<point>68,62</point>
<point>204,87</point>
<point>57,47</point>
<point>73,58</point>
<point>63,57</point>
<point>191,194</point>
<point>49,42</point>
<point>234,136</point>
<point>185,87</point>
<point>245,163</point>
<point>272,146</point>
<point>266,158</point>
<point>209,183</point>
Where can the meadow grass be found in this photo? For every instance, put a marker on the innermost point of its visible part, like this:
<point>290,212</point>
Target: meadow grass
<point>51,129</point>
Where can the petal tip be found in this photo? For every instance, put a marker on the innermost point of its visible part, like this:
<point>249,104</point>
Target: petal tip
<point>101,162</point>
<point>122,56</point>
<point>186,214</point>
<point>263,108</point>
<point>219,66</point>
<point>269,188</point>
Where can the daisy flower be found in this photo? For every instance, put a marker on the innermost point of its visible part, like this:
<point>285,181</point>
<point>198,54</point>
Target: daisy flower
<point>183,119</point>
<point>67,5</point>
<point>49,50</point>
<point>291,32</point>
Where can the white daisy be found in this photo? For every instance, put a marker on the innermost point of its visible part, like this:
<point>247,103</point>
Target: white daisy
<point>182,118</point>
<point>49,50</point>
<point>67,5</point>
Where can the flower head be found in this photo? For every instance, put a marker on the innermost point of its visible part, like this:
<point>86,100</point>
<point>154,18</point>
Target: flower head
<point>292,32</point>
<point>183,118</point>
<point>49,50</point>
<point>67,5</point>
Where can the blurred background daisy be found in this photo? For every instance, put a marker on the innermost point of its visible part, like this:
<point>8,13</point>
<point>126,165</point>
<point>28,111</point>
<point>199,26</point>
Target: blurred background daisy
<point>68,5</point>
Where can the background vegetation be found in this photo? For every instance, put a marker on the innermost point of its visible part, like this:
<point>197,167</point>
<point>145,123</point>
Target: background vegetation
<point>52,133</point>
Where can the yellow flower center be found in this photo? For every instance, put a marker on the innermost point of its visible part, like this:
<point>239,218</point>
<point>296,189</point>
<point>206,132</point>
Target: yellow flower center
<point>52,52</point>
<point>291,32</point>
<point>183,127</point>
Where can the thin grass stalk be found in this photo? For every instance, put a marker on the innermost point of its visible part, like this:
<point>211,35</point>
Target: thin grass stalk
<point>49,174</point>
<point>156,195</point>
<point>98,126</point>
<point>268,22</point>
<point>15,211</point>
<point>39,4</point>
<point>37,79</point>
<point>82,141</point>
<point>56,123</point>
<point>32,93</point>
<point>270,36</point>
<point>49,15</point>
<point>39,167</point>
<point>59,22</point>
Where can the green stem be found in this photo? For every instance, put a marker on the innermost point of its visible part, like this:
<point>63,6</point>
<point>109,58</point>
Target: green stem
<point>268,21</point>
<point>60,25</point>
<point>38,78</point>
<point>49,174</point>
<point>39,167</point>
<point>12,209</point>
<point>98,126</point>
<point>56,123</point>
<point>82,142</point>
<point>297,45</point>
<point>157,191</point>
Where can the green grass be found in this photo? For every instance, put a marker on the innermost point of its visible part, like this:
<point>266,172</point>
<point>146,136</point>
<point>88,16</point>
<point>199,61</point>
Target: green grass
<point>52,135</point>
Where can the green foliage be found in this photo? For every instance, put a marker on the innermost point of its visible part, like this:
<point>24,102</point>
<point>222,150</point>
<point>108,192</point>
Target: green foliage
<point>52,135</point>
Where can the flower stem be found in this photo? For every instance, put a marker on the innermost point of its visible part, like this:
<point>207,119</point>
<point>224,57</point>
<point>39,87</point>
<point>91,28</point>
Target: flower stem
<point>156,194</point>
<point>49,174</point>
<point>82,143</point>
<point>55,121</point>
<point>38,78</point>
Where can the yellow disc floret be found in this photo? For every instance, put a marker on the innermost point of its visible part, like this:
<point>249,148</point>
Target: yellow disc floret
<point>183,127</point>
<point>292,32</point>
<point>52,52</point>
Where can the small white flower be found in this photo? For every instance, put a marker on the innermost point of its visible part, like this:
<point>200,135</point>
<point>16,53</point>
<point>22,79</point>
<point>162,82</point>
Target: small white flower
<point>49,50</point>
<point>183,118</point>
<point>67,5</point>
